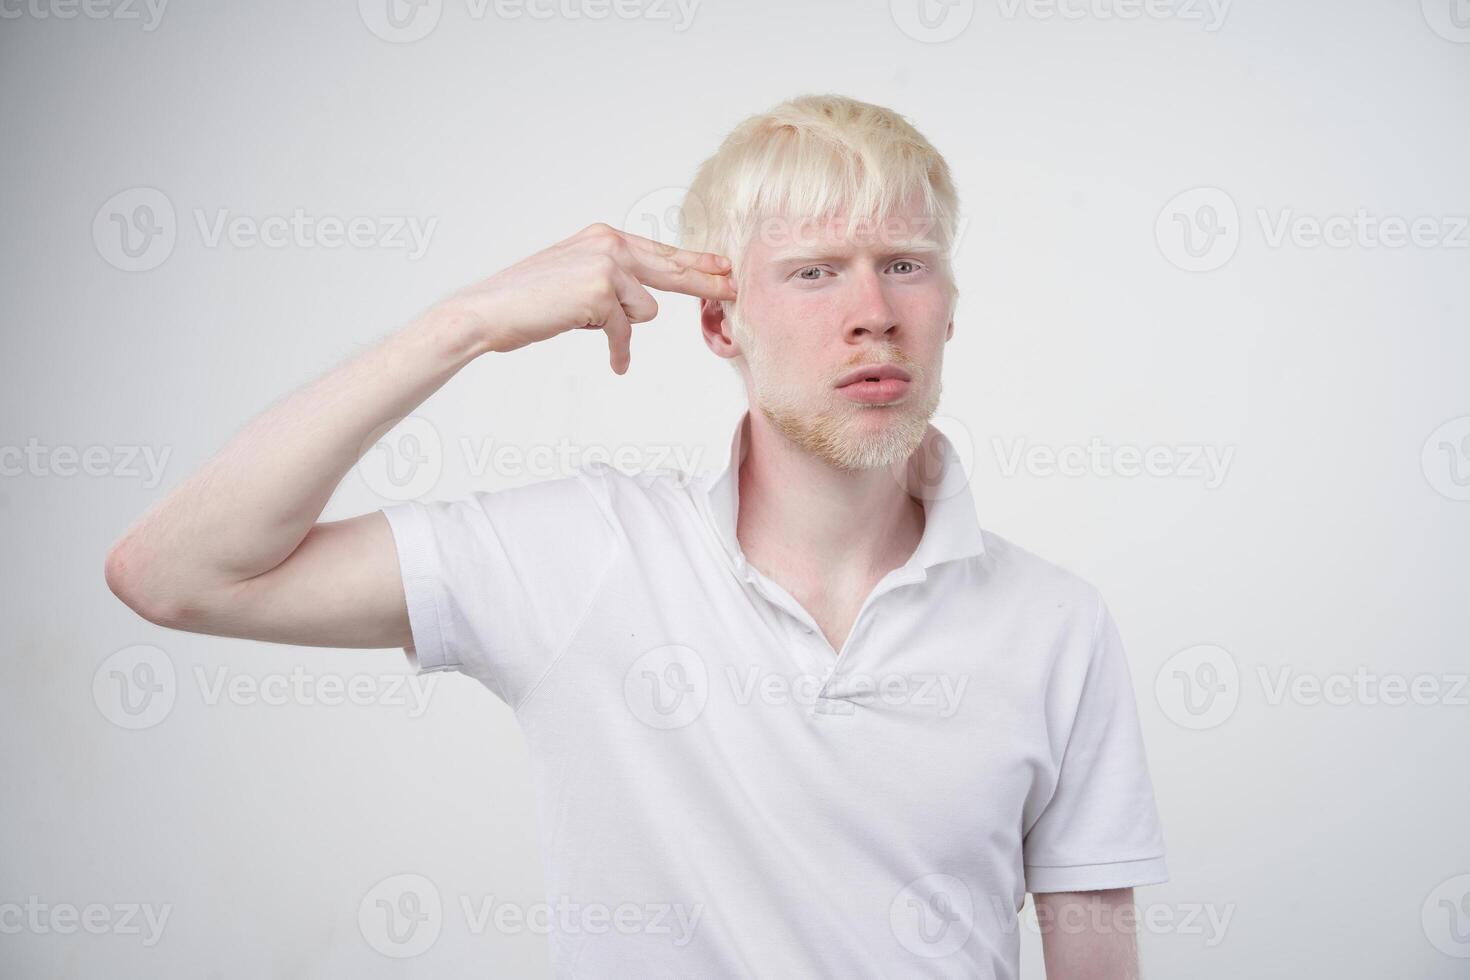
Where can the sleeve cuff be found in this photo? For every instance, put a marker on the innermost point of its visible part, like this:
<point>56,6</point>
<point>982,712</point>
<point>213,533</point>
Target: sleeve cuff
<point>413,536</point>
<point>1096,877</point>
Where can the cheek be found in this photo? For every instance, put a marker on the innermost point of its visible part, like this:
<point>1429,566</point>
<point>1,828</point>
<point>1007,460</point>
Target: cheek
<point>927,317</point>
<point>795,321</point>
<point>922,308</point>
<point>817,314</point>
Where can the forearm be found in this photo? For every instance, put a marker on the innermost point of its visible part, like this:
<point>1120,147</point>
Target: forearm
<point>250,506</point>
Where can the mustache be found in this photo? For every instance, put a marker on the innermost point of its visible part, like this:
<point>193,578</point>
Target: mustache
<point>887,354</point>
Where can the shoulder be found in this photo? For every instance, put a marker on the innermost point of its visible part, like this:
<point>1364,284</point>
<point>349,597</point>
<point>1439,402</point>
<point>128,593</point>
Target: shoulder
<point>658,495</point>
<point>1030,580</point>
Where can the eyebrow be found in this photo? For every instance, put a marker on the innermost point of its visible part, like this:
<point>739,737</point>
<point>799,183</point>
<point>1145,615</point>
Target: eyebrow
<point>916,246</point>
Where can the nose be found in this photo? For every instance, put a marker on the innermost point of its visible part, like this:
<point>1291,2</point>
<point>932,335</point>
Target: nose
<point>872,314</point>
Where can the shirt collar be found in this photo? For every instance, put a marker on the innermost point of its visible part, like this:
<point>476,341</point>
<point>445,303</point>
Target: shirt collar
<point>935,475</point>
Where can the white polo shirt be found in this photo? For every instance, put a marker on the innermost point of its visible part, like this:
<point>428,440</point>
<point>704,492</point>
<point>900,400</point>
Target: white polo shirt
<point>723,795</point>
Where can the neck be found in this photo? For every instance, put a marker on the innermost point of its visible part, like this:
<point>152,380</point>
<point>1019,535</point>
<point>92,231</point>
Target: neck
<point>802,516</point>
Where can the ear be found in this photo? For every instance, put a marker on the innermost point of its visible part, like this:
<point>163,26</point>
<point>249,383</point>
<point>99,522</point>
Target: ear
<point>715,328</point>
<point>949,332</point>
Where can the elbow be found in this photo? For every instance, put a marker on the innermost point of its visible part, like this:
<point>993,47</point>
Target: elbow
<point>125,578</point>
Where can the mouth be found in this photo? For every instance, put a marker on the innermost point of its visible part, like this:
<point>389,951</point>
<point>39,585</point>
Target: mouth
<point>873,372</point>
<point>875,384</point>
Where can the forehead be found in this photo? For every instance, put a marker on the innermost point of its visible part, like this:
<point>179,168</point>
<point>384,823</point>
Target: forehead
<point>907,227</point>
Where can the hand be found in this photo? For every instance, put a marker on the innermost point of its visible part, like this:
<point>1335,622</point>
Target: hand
<point>591,281</point>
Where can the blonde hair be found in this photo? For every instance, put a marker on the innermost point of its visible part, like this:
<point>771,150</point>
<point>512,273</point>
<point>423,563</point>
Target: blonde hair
<point>810,158</point>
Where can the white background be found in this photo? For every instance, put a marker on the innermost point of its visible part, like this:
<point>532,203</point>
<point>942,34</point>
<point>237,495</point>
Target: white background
<point>1330,834</point>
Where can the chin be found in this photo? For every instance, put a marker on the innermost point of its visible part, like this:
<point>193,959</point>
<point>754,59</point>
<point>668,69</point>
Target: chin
<point>854,436</point>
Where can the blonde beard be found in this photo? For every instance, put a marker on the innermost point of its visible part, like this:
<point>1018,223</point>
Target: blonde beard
<point>835,437</point>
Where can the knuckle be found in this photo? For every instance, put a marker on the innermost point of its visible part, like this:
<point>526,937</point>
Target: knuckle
<point>604,267</point>
<point>604,296</point>
<point>600,232</point>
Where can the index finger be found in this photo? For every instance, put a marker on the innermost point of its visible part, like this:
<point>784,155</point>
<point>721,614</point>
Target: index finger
<point>679,270</point>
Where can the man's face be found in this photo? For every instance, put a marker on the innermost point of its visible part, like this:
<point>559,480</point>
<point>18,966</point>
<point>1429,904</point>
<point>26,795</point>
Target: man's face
<point>816,303</point>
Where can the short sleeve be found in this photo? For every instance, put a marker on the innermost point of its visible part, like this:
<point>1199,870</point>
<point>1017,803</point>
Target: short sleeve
<point>498,582</point>
<point>1100,828</point>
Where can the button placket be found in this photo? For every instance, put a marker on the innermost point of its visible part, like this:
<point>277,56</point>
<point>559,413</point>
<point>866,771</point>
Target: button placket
<point>806,661</point>
<point>825,662</point>
<point>846,657</point>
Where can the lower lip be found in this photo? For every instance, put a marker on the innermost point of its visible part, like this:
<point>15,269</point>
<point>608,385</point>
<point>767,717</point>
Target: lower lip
<point>876,392</point>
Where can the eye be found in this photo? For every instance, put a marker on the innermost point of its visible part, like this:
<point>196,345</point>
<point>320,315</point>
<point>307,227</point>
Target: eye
<point>915,267</point>
<point>801,273</point>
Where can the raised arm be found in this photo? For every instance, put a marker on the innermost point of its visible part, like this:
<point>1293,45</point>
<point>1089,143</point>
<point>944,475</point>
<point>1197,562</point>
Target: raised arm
<point>237,549</point>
